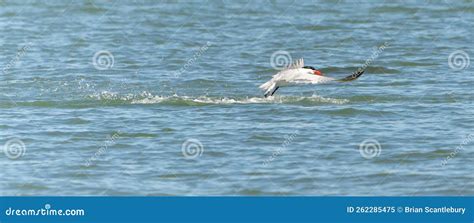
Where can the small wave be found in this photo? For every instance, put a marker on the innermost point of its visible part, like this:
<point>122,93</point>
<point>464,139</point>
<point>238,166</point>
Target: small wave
<point>114,99</point>
<point>354,111</point>
<point>394,9</point>
<point>205,100</point>
<point>148,98</point>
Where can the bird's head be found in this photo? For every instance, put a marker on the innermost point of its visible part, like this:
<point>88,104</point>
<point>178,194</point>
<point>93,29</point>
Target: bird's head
<point>315,72</point>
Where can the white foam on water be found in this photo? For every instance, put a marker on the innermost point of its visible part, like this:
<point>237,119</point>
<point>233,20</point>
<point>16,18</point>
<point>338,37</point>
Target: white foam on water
<point>246,100</point>
<point>148,98</point>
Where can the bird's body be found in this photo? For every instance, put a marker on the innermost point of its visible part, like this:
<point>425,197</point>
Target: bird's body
<point>297,73</point>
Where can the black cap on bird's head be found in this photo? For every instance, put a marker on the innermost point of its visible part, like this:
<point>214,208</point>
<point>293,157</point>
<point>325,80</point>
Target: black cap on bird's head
<point>316,72</point>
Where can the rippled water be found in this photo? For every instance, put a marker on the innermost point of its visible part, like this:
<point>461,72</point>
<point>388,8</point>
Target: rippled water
<point>143,98</point>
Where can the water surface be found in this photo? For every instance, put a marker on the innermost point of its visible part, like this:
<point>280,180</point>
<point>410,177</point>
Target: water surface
<point>186,75</point>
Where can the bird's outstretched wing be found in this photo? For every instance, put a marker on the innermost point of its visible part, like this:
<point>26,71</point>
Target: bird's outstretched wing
<point>293,75</point>
<point>299,63</point>
<point>315,79</point>
<point>353,76</point>
<point>311,79</point>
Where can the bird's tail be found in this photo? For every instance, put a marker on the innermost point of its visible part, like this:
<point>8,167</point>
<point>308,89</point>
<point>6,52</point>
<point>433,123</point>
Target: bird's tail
<point>269,87</point>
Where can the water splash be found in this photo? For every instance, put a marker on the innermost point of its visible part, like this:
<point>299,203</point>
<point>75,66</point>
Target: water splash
<point>148,98</point>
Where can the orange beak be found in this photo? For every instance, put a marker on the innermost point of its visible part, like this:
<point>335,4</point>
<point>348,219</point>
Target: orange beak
<point>317,72</point>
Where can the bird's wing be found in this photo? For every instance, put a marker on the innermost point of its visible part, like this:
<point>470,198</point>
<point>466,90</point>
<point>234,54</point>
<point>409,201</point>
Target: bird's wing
<point>299,63</point>
<point>310,79</point>
<point>292,68</point>
<point>305,78</point>
<point>353,76</point>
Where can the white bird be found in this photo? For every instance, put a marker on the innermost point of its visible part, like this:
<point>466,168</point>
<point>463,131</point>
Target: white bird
<point>298,73</point>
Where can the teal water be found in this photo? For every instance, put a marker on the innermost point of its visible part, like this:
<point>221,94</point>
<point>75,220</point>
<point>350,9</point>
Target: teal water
<point>170,103</point>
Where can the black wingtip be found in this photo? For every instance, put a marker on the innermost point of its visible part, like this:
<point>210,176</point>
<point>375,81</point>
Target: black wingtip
<point>353,76</point>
